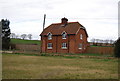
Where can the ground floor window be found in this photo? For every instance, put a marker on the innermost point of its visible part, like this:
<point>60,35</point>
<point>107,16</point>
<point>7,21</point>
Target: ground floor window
<point>84,47</point>
<point>64,45</point>
<point>80,46</point>
<point>49,46</point>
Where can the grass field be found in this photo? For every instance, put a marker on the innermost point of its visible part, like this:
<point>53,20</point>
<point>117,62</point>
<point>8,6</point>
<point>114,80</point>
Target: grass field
<point>17,66</point>
<point>20,41</point>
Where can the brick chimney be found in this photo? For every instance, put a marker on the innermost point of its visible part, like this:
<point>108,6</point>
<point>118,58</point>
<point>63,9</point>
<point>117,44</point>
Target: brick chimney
<point>64,21</point>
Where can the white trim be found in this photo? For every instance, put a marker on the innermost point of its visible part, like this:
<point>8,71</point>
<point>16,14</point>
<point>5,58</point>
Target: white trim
<point>65,34</point>
<point>48,35</point>
<point>49,47</point>
<point>65,44</point>
<point>64,47</point>
<point>77,30</point>
<point>80,28</point>
<point>79,46</point>
<point>81,36</point>
<point>64,38</point>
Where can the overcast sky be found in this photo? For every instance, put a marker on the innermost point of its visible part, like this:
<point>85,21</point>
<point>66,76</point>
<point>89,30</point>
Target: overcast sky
<point>99,17</point>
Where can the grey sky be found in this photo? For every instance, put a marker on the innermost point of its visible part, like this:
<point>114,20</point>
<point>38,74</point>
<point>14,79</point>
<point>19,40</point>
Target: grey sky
<point>100,17</point>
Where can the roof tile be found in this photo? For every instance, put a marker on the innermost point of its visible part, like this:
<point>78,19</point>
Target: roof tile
<point>58,28</point>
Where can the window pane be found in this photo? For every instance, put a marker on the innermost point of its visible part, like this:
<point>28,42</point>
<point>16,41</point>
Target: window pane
<point>64,36</point>
<point>49,45</point>
<point>81,36</point>
<point>64,45</point>
<point>49,36</point>
<point>80,46</point>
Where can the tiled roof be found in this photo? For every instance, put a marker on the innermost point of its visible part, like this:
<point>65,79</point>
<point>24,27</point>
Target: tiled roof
<point>58,28</point>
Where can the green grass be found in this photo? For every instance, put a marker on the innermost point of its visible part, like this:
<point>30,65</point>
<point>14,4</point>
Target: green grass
<point>21,66</point>
<point>20,41</point>
<point>77,55</point>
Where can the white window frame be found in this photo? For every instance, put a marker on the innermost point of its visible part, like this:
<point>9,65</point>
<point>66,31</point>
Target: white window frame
<point>49,46</point>
<point>64,45</point>
<point>81,36</point>
<point>49,36</point>
<point>80,46</point>
<point>64,35</point>
<point>84,47</point>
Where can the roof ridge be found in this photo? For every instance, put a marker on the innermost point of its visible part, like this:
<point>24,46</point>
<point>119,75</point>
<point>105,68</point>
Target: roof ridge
<point>61,23</point>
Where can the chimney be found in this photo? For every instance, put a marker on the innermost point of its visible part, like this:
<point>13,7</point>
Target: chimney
<point>64,21</point>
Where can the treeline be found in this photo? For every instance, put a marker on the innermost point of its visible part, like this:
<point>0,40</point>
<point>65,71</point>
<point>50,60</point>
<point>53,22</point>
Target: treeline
<point>101,42</point>
<point>22,36</point>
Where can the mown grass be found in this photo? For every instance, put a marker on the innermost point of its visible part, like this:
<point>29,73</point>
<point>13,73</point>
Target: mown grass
<point>81,54</point>
<point>23,66</point>
<point>20,41</point>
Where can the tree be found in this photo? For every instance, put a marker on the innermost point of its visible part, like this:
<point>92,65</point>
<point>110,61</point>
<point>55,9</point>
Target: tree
<point>16,36</point>
<point>23,36</point>
<point>5,35</point>
<point>117,48</point>
<point>30,36</point>
<point>101,42</point>
<point>106,41</point>
<point>111,41</point>
<point>12,35</point>
<point>92,40</point>
<point>97,40</point>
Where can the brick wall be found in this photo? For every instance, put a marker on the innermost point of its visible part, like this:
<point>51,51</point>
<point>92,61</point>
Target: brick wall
<point>72,41</point>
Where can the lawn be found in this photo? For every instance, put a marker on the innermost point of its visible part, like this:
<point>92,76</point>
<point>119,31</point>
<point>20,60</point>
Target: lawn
<point>21,41</point>
<point>21,66</point>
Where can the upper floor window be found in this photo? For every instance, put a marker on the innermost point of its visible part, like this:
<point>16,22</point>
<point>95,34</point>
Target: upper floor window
<point>64,35</point>
<point>64,45</point>
<point>49,36</point>
<point>81,36</point>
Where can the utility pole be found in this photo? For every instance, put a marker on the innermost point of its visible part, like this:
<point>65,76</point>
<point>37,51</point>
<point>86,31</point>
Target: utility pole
<point>44,21</point>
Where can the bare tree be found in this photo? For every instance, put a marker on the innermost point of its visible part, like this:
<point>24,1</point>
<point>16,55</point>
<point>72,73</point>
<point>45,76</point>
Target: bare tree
<point>30,36</point>
<point>17,36</point>
<point>101,41</point>
<point>12,35</point>
<point>111,41</point>
<point>106,41</point>
<point>97,40</point>
<point>23,36</point>
<point>92,40</point>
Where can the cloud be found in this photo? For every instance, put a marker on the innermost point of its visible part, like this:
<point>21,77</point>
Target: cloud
<point>27,15</point>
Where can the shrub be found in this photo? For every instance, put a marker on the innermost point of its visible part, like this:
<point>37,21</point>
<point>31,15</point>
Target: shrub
<point>117,48</point>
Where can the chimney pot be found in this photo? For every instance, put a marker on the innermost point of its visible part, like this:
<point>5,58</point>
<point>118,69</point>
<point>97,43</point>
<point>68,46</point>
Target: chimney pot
<point>64,21</point>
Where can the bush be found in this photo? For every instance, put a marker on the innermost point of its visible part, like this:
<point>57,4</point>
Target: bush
<point>117,48</point>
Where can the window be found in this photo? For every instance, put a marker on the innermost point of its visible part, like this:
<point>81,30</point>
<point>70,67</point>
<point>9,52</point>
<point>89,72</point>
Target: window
<point>80,46</point>
<point>64,45</point>
<point>81,36</point>
<point>84,47</point>
<point>49,36</point>
<point>64,35</point>
<point>49,46</point>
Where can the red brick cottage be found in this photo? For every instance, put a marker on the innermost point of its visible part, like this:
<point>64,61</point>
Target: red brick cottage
<point>64,37</point>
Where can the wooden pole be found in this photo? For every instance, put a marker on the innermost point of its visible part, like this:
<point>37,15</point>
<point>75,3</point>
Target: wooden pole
<point>44,21</point>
